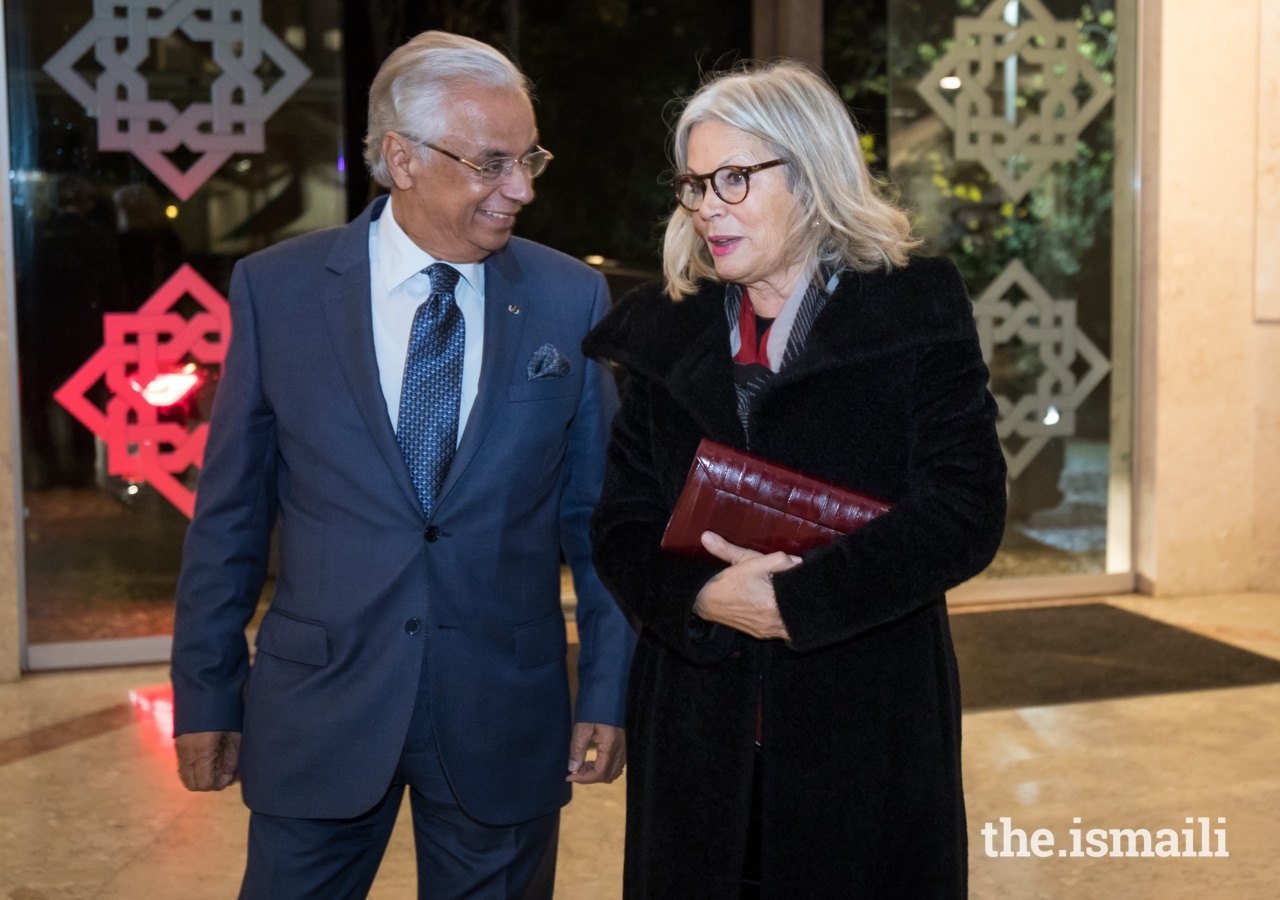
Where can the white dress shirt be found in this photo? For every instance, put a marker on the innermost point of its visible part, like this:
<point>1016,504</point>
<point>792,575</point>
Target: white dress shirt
<point>398,287</point>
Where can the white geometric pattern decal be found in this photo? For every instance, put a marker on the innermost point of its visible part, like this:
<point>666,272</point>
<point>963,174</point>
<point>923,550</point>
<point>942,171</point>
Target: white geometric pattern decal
<point>1015,145</point>
<point>1049,325</point>
<point>120,35</point>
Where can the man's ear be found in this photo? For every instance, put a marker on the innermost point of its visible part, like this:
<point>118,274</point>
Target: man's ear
<point>399,155</point>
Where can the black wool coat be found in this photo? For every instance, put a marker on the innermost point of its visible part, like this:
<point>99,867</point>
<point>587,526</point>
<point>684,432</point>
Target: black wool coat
<point>861,709</point>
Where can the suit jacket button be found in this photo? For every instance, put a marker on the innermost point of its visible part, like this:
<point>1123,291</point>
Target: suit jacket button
<point>431,535</point>
<point>413,626</point>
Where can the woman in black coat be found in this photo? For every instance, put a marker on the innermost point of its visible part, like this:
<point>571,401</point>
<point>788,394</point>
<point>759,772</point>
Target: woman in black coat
<point>794,722</point>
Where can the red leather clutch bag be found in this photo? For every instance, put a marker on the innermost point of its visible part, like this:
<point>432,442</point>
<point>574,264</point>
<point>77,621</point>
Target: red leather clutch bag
<point>759,504</point>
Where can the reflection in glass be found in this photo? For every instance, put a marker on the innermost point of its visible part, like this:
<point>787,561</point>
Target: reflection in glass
<point>97,232</point>
<point>1001,141</point>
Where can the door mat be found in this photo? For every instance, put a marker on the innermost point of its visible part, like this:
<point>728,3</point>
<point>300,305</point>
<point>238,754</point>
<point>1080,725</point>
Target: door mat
<point>1071,654</point>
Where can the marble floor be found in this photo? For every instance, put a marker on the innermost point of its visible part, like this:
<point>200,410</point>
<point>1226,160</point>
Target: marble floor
<point>90,806</point>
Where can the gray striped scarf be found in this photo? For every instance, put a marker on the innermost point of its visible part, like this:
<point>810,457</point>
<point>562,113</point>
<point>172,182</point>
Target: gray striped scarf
<point>790,329</point>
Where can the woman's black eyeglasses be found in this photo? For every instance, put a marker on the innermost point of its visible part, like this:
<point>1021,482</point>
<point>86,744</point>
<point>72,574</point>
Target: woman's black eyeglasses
<point>731,184</point>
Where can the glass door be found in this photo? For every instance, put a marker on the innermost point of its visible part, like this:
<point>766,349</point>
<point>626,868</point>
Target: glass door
<point>152,144</point>
<point>1008,134</point>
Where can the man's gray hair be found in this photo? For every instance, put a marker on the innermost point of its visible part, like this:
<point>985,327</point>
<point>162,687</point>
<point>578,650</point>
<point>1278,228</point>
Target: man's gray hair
<point>414,81</point>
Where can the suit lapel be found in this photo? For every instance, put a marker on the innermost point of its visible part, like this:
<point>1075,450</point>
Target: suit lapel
<point>502,332</point>
<point>348,311</point>
<point>682,345</point>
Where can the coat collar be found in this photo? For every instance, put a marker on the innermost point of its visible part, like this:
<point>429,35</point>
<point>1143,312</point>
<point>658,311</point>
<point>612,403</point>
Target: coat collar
<point>684,345</point>
<point>348,313</point>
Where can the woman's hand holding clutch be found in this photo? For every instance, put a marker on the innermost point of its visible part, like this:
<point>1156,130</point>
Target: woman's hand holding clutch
<point>742,596</point>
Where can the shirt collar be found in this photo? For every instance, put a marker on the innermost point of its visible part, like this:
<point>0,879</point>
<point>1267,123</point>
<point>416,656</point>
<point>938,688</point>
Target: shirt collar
<point>400,258</point>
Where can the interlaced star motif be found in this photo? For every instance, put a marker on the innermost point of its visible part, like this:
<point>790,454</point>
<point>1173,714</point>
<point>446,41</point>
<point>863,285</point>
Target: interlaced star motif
<point>1017,152</point>
<point>139,349</point>
<point>120,35</point>
<point>1049,325</point>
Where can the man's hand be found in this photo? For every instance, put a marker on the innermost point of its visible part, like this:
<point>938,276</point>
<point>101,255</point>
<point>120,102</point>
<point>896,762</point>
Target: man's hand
<point>611,753</point>
<point>208,760</point>
<point>742,596</point>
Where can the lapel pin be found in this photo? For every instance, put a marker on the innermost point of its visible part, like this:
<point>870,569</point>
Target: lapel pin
<point>513,309</point>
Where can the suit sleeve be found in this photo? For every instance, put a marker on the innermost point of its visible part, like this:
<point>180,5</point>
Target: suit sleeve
<point>224,556</point>
<point>607,640</point>
<point>656,587</point>
<point>944,530</point>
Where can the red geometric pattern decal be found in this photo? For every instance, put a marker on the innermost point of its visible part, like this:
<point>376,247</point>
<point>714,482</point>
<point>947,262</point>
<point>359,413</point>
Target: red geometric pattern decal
<point>153,360</point>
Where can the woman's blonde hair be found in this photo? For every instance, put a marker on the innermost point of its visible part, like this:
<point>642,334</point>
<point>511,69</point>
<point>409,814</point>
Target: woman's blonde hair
<point>840,220</point>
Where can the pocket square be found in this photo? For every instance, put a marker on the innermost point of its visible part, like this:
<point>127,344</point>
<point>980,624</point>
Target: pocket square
<point>547,362</point>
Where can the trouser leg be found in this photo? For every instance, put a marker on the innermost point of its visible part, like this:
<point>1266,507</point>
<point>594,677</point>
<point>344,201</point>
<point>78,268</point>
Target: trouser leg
<point>308,858</point>
<point>459,857</point>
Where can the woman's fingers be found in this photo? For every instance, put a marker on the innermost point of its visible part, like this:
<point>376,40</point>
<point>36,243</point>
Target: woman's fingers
<point>723,550</point>
<point>733,554</point>
<point>780,562</point>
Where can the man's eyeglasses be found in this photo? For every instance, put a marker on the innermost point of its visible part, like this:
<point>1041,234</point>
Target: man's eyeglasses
<point>534,163</point>
<point>731,184</point>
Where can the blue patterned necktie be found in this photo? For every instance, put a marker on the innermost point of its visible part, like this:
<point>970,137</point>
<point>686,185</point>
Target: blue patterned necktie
<point>427,428</point>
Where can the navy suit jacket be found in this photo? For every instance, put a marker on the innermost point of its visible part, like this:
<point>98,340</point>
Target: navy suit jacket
<point>300,434</point>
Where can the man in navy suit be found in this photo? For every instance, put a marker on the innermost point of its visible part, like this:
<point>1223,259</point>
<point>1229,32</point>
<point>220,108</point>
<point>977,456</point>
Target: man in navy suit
<point>406,398</point>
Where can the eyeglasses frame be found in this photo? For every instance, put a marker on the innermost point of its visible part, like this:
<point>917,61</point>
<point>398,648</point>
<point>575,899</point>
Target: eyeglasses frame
<point>746,171</point>
<point>513,160</point>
